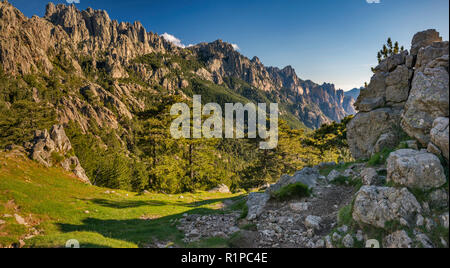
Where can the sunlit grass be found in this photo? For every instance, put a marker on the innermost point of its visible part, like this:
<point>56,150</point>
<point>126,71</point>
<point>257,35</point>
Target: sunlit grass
<point>61,208</point>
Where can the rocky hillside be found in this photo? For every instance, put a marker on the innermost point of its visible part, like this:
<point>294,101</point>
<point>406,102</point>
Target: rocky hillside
<point>89,39</point>
<point>396,193</point>
<point>108,88</point>
<point>408,95</point>
<point>314,104</point>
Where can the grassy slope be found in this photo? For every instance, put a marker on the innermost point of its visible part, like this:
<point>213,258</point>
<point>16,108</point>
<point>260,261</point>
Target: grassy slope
<point>56,204</point>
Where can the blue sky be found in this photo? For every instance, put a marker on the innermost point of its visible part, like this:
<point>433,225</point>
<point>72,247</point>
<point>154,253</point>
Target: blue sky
<point>332,41</point>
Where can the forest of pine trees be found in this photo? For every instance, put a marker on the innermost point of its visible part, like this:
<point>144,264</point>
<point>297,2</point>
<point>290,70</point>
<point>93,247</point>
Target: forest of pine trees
<point>141,154</point>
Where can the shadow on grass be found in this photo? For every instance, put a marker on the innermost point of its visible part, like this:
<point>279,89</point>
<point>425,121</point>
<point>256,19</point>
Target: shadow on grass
<point>137,231</point>
<point>126,204</point>
<point>212,201</point>
<point>134,204</point>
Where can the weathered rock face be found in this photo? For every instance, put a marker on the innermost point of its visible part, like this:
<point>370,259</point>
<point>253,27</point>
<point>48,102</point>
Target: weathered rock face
<point>42,148</point>
<point>307,176</point>
<point>380,105</point>
<point>424,39</point>
<point>428,98</point>
<point>256,203</point>
<point>399,239</point>
<point>377,205</point>
<point>94,31</point>
<point>46,146</point>
<point>415,169</point>
<point>62,142</point>
<point>370,176</point>
<point>366,130</point>
<point>74,165</point>
<point>439,135</point>
<point>389,86</point>
<point>314,104</point>
<point>73,34</point>
<point>414,85</point>
<point>427,101</point>
<point>222,188</point>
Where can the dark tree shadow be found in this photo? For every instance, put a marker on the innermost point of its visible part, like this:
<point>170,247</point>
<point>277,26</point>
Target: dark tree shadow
<point>138,231</point>
<point>126,204</point>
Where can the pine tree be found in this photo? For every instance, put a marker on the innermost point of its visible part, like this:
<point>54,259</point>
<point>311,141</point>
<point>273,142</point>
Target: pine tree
<point>396,48</point>
<point>389,46</point>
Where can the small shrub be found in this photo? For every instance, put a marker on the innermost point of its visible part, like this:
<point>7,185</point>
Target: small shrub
<point>242,206</point>
<point>57,157</point>
<point>244,212</point>
<point>345,215</point>
<point>341,180</point>
<point>291,191</point>
<point>380,158</point>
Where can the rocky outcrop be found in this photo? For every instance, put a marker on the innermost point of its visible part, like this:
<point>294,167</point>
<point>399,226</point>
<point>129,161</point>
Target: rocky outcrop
<point>378,205</point>
<point>370,176</point>
<point>54,148</point>
<point>222,188</point>
<point>256,203</point>
<point>415,169</point>
<point>312,103</point>
<point>93,31</point>
<point>428,98</point>
<point>370,132</point>
<point>424,39</point>
<point>399,239</point>
<point>389,86</point>
<point>380,106</point>
<point>439,136</point>
<point>307,176</point>
<point>112,47</point>
<point>414,85</point>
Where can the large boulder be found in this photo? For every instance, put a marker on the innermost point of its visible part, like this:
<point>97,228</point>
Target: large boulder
<point>307,176</point>
<point>60,138</point>
<point>399,239</point>
<point>221,188</point>
<point>423,39</point>
<point>374,95</point>
<point>377,205</point>
<point>256,203</point>
<point>439,135</point>
<point>43,147</point>
<point>73,164</point>
<point>389,64</point>
<point>52,148</point>
<point>370,176</point>
<point>415,169</point>
<point>389,86</point>
<point>398,85</point>
<point>366,129</point>
<point>432,56</point>
<point>429,95</point>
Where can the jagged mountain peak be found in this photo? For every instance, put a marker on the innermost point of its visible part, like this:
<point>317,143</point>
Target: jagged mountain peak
<point>70,32</point>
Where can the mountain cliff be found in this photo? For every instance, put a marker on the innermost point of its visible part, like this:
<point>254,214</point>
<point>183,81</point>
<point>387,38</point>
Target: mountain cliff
<point>89,41</point>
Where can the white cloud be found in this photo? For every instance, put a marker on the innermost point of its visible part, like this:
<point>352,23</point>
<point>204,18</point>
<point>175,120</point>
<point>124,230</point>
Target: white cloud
<point>373,1</point>
<point>73,1</point>
<point>235,46</point>
<point>172,39</point>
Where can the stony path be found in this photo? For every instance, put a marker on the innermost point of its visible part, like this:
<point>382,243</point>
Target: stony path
<point>281,225</point>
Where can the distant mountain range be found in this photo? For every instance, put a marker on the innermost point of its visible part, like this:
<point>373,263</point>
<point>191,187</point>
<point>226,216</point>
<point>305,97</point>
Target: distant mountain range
<point>90,41</point>
<point>354,93</point>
